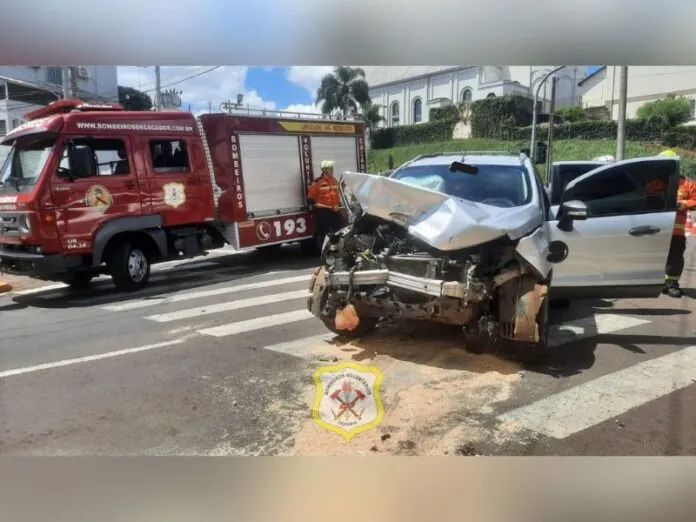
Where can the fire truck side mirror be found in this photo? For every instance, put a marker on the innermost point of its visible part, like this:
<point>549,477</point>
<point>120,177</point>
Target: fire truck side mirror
<point>82,161</point>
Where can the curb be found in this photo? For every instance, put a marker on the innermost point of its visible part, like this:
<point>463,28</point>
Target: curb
<point>5,287</point>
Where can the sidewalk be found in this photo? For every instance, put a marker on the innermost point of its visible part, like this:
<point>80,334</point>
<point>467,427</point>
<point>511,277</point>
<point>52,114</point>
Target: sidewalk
<point>11,283</point>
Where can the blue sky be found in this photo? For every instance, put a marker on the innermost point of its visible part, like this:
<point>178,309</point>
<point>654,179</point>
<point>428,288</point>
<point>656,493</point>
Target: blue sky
<point>279,88</point>
<point>274,88</point>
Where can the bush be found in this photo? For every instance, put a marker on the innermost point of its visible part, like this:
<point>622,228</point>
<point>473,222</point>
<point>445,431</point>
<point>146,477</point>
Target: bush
<point>431,132</point>
<point>675,110</point>
<point>684,137</point>
<point>572,114</point>
<point>495,117</point>
<point>636,130</point>
<point>447,113</point>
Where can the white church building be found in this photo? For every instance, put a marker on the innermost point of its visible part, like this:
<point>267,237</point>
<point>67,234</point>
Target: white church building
<point>406,94</point>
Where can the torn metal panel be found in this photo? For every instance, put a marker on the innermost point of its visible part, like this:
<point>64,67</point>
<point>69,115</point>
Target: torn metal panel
<point>444,222</point>
<point>534,249</point>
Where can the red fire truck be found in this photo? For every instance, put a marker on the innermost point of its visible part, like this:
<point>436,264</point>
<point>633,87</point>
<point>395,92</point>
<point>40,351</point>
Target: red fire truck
<point>90,189</point>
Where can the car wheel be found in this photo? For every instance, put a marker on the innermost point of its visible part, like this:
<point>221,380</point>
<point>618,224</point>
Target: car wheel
<point>317,300</point>
<point>129,267</point>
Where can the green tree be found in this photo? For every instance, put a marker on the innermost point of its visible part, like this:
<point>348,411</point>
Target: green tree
<point>675,110</point>
<point>371,115</point>
<point>572,114</point>
<point>133,100</point>
<point>343,90</point>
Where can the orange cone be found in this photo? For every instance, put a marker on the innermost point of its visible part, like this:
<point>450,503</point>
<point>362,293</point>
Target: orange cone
<point>5,287</point>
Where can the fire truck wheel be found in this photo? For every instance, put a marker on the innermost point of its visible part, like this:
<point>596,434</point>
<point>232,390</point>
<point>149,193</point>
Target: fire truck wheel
<point>129,267</point>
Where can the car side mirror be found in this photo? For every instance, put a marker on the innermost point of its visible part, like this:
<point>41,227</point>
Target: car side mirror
<point>82,161</point>
<point>573,210</point>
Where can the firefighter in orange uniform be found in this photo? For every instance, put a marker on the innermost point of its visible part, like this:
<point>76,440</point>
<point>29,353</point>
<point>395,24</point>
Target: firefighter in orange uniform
<point>686,202</point>
<point>325,197</point>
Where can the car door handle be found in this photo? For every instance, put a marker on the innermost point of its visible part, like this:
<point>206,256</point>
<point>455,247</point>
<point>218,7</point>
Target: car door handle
<point>129,184</point>
<point>643,231</point>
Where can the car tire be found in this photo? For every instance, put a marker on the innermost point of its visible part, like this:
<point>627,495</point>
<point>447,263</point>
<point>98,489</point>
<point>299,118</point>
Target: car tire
<point>130,267</point>
<point>316,301</point>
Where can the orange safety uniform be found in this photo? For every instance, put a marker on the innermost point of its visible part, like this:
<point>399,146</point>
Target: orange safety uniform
<point>325,193</point>
<point>686,202</point>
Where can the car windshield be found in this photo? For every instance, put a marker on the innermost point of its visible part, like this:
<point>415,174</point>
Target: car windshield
<point>497,185</point>
<point>24,164</point>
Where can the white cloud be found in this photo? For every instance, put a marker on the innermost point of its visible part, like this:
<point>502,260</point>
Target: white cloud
<point>308,77</point>
<point>213,87</point>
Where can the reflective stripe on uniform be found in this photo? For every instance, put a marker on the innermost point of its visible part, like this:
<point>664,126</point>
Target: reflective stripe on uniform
<point>671,278</point>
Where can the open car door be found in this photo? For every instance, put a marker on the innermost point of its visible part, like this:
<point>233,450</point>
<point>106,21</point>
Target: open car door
<point>613,230</point>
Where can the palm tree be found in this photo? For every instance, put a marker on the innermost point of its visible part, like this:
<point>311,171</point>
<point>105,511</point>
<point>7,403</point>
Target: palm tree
<point>343,90</point>
<point>371,115</point>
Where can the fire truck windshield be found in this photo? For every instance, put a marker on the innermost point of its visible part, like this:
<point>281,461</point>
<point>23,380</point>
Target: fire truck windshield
<point>24,164</point>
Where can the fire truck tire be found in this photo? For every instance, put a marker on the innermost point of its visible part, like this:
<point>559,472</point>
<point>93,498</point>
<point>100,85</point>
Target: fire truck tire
<point>129,266</point>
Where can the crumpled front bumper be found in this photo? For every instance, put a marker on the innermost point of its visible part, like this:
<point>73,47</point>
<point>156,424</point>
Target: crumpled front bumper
<point>426,286</point>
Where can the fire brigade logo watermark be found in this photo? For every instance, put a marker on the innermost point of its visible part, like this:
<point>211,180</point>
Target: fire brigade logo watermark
<point>263,231</point>
<point>174,194</point>
<point>99,198</point>
<point>348,398</point>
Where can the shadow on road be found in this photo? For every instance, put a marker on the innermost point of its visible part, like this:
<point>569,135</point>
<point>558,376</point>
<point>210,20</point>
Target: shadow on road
<point>162,283</point>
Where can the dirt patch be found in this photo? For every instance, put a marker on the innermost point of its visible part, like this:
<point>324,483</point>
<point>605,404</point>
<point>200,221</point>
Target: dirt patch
<point>433,393</point>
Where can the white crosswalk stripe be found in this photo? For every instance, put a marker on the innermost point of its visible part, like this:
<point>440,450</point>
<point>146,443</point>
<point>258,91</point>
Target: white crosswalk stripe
<point>242,306</point>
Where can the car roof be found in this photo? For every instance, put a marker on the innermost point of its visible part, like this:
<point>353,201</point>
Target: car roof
<point>580,162</point>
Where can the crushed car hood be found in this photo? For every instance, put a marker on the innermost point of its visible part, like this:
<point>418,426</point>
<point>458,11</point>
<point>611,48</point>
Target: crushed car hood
<point>442,221</point>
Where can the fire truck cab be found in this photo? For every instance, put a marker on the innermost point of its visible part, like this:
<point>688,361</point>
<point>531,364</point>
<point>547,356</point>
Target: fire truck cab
<point>89,189</point>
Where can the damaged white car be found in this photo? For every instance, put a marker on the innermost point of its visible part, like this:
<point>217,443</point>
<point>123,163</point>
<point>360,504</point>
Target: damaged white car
<point>468,239</point>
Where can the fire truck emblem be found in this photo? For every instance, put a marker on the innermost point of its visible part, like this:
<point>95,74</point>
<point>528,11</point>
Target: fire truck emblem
<point>99,198</point>
<point>348,398</point>
<point>174,194</point>
<point>263,231</point>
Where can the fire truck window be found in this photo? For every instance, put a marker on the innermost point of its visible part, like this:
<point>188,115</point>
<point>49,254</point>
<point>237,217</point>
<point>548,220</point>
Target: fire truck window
<point>169,156</point>
<point>111,156</point>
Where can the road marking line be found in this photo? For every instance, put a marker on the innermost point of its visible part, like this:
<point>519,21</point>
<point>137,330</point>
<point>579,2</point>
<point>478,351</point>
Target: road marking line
<point>88,358</point>
<point>599,400</point>
<point>597,324</point>
<point>228,306</point>
<point>257,324</point>
<point>301,347</point>
<point>144,303</point>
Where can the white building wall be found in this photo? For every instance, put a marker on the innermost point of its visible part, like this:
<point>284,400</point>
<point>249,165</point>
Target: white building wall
<point>644,84</point>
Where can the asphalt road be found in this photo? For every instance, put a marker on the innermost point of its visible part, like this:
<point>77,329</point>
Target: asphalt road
<point>216,358</point>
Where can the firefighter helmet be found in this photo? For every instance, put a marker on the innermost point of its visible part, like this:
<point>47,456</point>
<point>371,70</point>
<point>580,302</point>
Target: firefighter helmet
<point>327,164</point>
<point>668,153</point>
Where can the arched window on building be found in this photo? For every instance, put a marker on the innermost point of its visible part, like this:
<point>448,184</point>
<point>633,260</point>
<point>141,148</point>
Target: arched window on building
<point>466,95</point>
<point>417,110</point>
<point>395,114</point>
<point>491,95</point>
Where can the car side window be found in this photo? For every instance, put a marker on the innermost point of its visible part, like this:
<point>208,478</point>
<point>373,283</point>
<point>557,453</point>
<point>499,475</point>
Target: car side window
<point>110,155</point>
<point>627,189</point>
<point>169,156</point>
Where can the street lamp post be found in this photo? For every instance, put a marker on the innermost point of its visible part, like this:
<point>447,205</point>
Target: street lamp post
<point>532,145</point>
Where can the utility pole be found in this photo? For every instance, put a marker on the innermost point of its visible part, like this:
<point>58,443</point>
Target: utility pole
<point>73,82</point>
<point>210,107</point>
<point>66,83</point>
<point>158,88</point>
<point>621,127</point>
<point>549,151</point>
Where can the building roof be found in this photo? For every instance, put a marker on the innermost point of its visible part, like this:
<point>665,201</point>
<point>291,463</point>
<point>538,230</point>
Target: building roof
<point>595,73</point>
<point>377,76</point>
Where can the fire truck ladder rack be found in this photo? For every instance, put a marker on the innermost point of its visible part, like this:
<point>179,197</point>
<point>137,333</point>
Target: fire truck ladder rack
<point>267,113</point>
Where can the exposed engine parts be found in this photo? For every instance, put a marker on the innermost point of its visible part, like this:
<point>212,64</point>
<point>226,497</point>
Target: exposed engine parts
<point>380,271</point>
